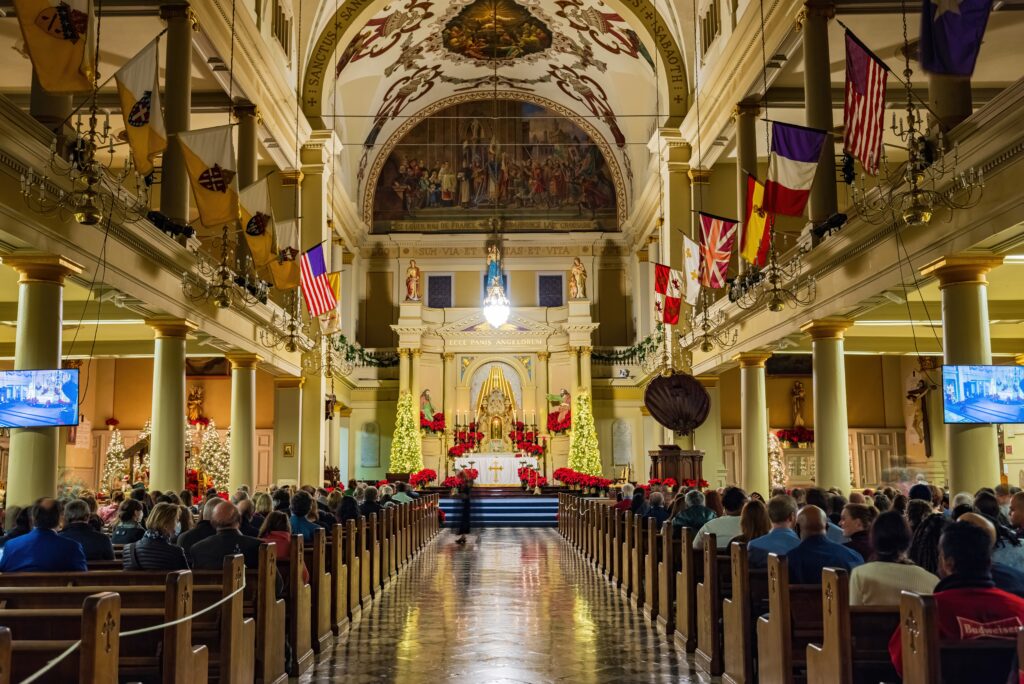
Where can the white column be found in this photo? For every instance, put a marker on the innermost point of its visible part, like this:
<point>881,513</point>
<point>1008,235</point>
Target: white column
<point>243,419</point>
<point>831,428</point>
<point>708,437</point>
<point>287,430</point>
<point>754,422</point>
<point>167,455</point>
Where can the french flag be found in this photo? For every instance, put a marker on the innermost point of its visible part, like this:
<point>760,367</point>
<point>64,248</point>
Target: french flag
<point>794,158</point>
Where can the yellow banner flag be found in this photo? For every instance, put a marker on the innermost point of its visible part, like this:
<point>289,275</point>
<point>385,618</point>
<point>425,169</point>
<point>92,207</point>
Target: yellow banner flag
<point>138,88</point>
<point>61,42</point>
<point>334,280</point>
<point>210,162</point>
<point>757,227</point>
<point>284,269</point>
<point>258,224</point>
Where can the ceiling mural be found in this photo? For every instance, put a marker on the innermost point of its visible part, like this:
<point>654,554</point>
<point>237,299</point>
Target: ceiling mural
<point>415,53</point>
<point>475,163</point>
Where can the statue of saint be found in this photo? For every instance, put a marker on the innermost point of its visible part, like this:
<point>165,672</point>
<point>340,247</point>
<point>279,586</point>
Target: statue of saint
<point>577,280</point>
<point>426,407</point>
<point>565,405</point>
<point>194,404</point>
<point>412,282</point>
<point>798,404</point>
<point>493,264</point>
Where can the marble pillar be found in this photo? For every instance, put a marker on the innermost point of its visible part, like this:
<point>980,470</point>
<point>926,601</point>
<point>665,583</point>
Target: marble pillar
<point>403,370</point>
<point>243,419</point>
<point>414,379</point>
<point>745,115</point>
<point>248,143</point>
<point>542,391</point>
<point>34,452</point>
<point>574,357</point>
<point>754,422</point>
<point>831,428</point>
<point>586,379</point>
<point>708,437</point>
<point>177,102</point>
<point>167,454</point>
<point>313,425</point>
<point>287,432</point>
<point>973,449</point>
<point>448,391</point>
<point>817,68</point>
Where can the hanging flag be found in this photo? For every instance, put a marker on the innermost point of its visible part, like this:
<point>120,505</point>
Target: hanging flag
<point>316,289</point>
<point>334,280</point>
<point>210,161</point>
<point>951,33</point>
<point>717,235</point>
<point>757,226</point>
<point>258,224</point>
<point>794,158</point>
<point>668,292</point>
<point>864,107</point>
<point>60,37</point>
<point>138,88</point>
<point>284,269</point>
<point>330,322</point>
<point>691,270</point>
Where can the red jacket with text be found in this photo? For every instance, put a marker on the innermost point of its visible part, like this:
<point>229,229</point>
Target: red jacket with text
<point>969,609</point>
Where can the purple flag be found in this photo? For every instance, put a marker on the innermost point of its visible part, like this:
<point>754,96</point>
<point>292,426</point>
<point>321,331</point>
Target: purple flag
<point>951,33</point>
<point>792,163</point>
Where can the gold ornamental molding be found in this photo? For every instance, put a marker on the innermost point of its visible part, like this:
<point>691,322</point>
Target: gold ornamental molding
<point>963,269</point>
<point>753,359</point>
<point>171,327</point>
<point>289,382</point>
<point>709,381</point>
<point>243,359</point>
<point>38,267</point>
<point>826,328</point>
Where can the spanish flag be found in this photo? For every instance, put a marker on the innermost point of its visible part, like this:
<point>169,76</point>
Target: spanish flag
<point>258,225</point>
<point>138,87</point>
<point>210,161</point>
<point>60,38</point>
<point>284,270</point>
<point>757,228</point>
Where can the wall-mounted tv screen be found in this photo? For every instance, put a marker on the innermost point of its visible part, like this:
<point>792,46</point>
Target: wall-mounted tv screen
<point>38,398</point>
<point>983,394</point>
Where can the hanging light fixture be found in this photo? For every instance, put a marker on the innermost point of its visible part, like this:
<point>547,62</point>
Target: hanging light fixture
<point>285,330</point>
<point>918,196</point>
<point>709,330</point>
<point>216,283</point>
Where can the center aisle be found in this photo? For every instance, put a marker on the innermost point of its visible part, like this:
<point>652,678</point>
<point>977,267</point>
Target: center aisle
<point>512,605</point>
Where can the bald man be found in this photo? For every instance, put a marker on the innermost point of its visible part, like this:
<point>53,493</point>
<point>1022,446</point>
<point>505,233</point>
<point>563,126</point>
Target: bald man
<point>815,551</point>
<point>1006,577</point>
<point>227,540</point>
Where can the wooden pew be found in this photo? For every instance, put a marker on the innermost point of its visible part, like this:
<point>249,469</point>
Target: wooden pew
<point>748,600</point>
<point>373,546</point>
<point>321,589</point>
<point>298,604</point>
<point>338,617</point>
<point>363,544</point>
<point>392,561</point>
<point>615,553</point>
<point>666,621</point>
<point>609,543</point>
<point>690,572</point>
<point>653,548</point>
<point>927,660</point>
<point>855,639</point>
<point>5,655</point>
<point>636,598</point>
<point>38,636</point>
<point>793,621</point>
<point>384,538</point>
<point>353,560</point>
<point>710,590</point>
<point>626,555</point>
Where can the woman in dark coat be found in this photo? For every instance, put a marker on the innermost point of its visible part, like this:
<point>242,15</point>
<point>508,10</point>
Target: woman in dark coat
<point>155,550</point>
<point>466,494</point>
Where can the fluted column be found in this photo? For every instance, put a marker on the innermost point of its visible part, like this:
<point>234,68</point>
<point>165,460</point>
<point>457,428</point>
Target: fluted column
<point>414,378</point>
<point>818,104</point>
<point>754,422</point>
<point>586,380</point>
<point>542,391</point>
<point>574,356</point>
<point>708,437</point>
<point>973,449</point>
<point>403,370</point>
<point>32,468</point>
<point>831,428</point>
<point>448,391</point>
<point>167,438</point>
<point>243,419</point>
<point>177,107</point>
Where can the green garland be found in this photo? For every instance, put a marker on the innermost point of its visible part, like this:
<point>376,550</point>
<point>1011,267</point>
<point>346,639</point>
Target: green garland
<point>635,354</point>
<point>353,353</point>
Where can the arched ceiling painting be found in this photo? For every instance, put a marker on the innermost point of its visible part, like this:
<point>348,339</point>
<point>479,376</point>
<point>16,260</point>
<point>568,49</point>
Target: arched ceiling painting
<point>415,54</point>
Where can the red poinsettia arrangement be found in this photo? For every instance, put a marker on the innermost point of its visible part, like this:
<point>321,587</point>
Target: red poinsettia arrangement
<point>556,426</point>
<point>796,435</point>
<point>451,482</point>
<point>381,484</point>
<point>669,482</point>
<point>691,484</point>
<point>435,424</point>
<point>531,478</point>
<point>572,478</point>
<point>423,477</point>
<point>470,474</point>
<point>112,422</point>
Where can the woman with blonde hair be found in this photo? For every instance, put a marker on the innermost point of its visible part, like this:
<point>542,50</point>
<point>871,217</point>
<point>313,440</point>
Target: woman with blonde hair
<point>155,550</point>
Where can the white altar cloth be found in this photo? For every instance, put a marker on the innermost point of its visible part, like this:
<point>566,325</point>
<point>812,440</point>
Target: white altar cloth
<point>496,468</point>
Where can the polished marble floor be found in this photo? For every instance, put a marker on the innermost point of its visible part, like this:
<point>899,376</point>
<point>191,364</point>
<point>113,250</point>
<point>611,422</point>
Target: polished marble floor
<point>512,605</point>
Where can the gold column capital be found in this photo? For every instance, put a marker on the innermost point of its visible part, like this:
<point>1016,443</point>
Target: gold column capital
<point>709,381</point>
<point>288,382</point>
<point>417,352</point>
<point>700,176</point>
<point>745,109</point>
<point>40,267</point>
<point>543,355</point>
<point>177,10</point>
<point>752,359</point>
<point>448,356</point>
<point>171,327</point>
<point>402,352</point>
<point>246,108</point>
<point>243,359</point>
<point>826,328</point>
<point>343,411</point>
<point>291,178</point>
<point>962,269</point>
<point>644,411</point>
<point>586,351</point>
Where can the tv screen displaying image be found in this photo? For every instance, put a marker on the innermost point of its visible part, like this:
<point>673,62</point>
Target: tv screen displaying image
<point>983,394</point>
<point>38,398</point>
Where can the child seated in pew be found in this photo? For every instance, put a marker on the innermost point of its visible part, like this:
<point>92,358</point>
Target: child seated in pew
<point>968,605</point>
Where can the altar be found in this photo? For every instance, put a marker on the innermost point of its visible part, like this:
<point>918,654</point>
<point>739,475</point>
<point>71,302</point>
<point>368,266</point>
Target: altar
<point>496,468</point>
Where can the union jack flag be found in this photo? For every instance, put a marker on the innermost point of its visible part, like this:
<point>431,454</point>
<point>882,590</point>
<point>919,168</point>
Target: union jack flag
<point>716,237</point>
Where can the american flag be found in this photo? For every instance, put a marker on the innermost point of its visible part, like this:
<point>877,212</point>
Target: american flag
<point>864,109</point>
<point>316,288</point>
<point>716,237</point>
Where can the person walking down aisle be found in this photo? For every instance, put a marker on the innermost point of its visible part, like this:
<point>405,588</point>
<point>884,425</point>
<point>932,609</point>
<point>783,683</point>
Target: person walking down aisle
<point>465,520</point>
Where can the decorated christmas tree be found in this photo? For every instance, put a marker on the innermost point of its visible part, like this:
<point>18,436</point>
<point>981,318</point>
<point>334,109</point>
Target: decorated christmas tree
<point>214,457</point>
<point>115,467</point>
<point>584,456</point>
<point>776,468</point>
<point>406,447</point>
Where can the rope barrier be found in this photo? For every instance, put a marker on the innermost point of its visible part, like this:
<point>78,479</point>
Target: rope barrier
<point>121,635</point>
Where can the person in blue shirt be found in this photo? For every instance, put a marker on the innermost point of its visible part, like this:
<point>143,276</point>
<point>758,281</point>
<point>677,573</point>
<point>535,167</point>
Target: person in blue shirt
<point>819,497</point>
<point>781,539</point>
<point>301,505</point>
<point>657,509</point>
<point>42,549</point>
<point>815,551</point>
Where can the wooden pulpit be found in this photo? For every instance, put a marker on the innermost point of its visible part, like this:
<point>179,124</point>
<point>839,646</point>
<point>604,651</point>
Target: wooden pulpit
<point>671,461</point>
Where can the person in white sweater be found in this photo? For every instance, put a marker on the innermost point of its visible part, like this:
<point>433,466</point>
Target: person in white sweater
<point>880,582</point>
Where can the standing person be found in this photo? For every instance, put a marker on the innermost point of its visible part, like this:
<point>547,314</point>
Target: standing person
<point>466,494</point>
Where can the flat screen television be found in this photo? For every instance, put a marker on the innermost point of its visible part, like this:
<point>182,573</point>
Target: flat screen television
<point>38,398</point>
<point>983,394</point>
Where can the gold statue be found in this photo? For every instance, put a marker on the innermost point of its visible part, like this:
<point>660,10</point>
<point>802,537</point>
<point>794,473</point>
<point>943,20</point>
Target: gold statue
<point>195,404</point>
<point>412,282</point>
<point>577,280</point>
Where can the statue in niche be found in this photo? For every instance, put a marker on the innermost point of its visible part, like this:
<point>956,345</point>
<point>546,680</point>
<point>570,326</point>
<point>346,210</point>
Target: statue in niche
<point>577,280</point>
<point>493,264</point>
<point>565,405</point>
<point>799,398</point>
<point>194,404</point>
<point>412,282</point>
<point>426,407</point>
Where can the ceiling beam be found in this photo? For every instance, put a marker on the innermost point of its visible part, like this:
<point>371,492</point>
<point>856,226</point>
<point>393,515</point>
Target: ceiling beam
<point>203,102</point>
<point>790,97</point>
<point>111,349</point>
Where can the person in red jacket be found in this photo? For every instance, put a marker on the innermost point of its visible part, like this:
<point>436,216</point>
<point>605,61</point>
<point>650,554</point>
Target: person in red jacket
<point>968,605</point>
